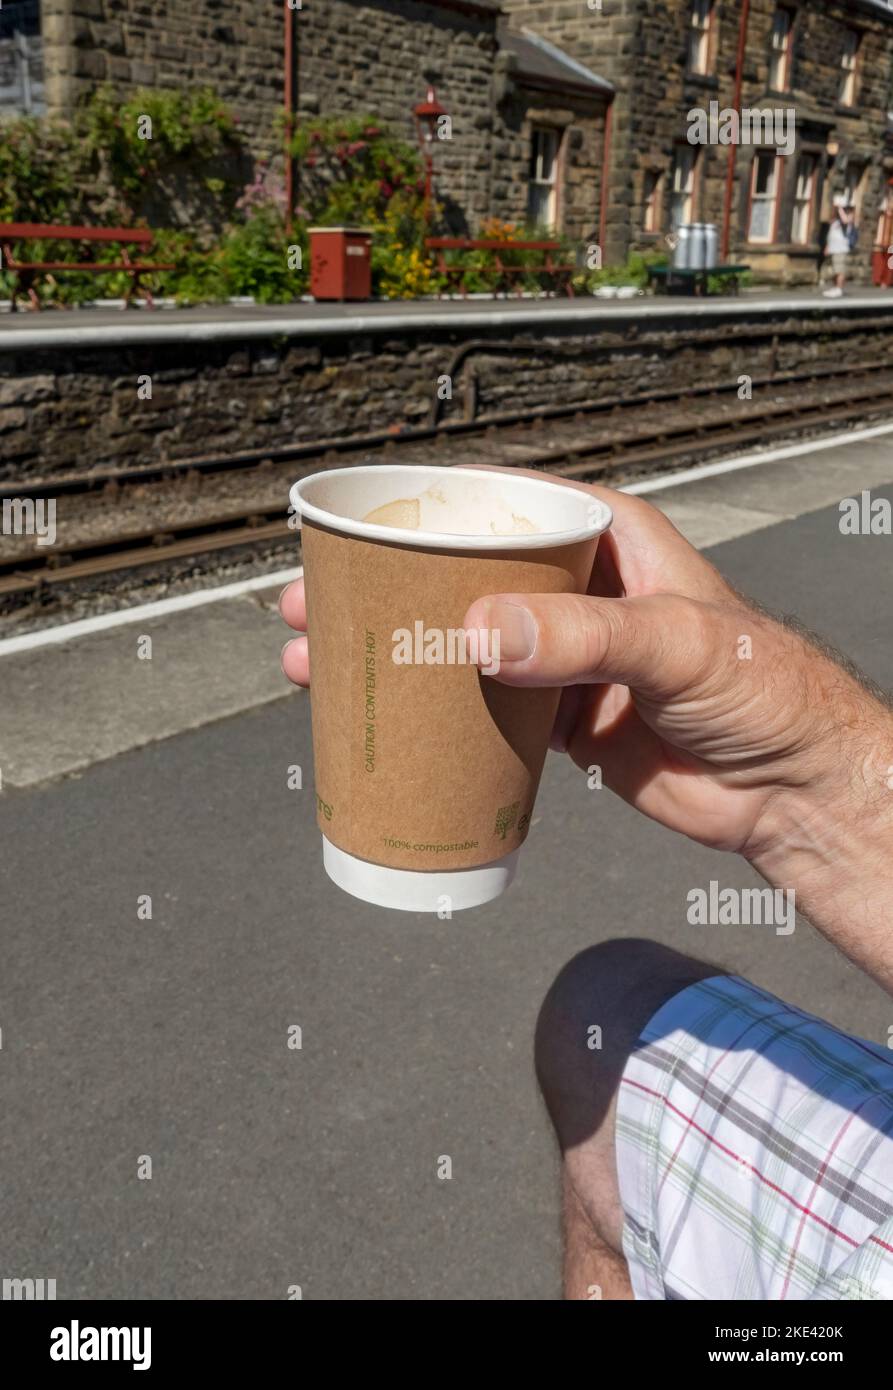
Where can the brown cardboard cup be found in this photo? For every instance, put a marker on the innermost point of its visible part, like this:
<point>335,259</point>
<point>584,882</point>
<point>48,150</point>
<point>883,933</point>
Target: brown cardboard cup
<point>426,770</point>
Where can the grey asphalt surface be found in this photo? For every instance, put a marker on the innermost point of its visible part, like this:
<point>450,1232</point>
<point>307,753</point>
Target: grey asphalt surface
<point>275,1167</point>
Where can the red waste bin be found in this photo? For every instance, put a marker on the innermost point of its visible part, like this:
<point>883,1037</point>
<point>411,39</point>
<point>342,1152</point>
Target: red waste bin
<point>340,262</point>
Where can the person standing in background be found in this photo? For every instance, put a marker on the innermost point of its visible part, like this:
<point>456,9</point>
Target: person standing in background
<point>840,242</point>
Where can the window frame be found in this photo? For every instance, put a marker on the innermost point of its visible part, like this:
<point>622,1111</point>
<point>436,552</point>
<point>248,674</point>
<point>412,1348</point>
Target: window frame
<point>692,152</point>
<point>554,134</point>
<point>704,35</point>
<point>848,86</point>
<point>778,160</point>
<point>653,202</point>
<point>787,52</point>
<point>812,157</point>
<point>858,186</point>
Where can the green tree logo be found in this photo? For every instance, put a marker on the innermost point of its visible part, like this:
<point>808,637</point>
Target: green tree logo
<point>505,819</point>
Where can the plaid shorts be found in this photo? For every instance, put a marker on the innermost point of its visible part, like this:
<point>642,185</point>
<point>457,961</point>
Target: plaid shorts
<point>755,1153</point>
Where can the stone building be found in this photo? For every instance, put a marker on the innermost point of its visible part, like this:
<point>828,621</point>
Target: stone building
<point>527,120</point>
<point>820,70</point>
<point>545,97</point>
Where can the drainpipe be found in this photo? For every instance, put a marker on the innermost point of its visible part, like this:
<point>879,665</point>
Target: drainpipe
<point>291,102</point>
<point>730,168</point>
<point>606,166</point>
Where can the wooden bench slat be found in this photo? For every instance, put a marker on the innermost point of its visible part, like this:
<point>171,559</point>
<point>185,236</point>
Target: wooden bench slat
<point>85,265</point>
<point>45,231</point>
<point>446,243</point>
<point>25,271</point>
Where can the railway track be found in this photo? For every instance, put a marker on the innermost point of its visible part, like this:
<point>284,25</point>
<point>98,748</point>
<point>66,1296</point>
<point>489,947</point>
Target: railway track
<point>610,438</point>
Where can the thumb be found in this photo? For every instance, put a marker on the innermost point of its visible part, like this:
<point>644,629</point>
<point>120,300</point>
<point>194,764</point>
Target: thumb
<point>659,644</point>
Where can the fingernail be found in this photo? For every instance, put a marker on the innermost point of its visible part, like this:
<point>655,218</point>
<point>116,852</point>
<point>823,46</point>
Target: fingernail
<point>517,631</point>
<point>281,597</point>
<point>285,648</point>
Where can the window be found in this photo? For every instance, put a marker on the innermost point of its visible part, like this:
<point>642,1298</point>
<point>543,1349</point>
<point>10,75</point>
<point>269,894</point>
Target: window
<point>541,194</point>
<point>780,51</point>
<point>653,194</point>
<point>804,198</point>
<point>763,196</point>
<point>854,184</point>
<point>685,169</point>
<point>849,59</point>
<point>700,35</point>
<point>21,58</point>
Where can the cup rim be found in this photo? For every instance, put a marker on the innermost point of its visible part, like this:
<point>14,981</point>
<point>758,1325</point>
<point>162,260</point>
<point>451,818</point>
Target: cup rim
<point>601,515</point>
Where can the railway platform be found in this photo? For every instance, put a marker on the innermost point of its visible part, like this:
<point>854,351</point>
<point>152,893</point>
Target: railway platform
<point>125,1037</point>
<point>206,323</point>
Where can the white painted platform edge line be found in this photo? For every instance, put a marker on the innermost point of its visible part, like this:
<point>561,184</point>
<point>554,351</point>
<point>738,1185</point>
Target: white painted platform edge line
<point>712,470</point>
<point>66,632</point>
<point>111,335</point>
<point>145,612</point>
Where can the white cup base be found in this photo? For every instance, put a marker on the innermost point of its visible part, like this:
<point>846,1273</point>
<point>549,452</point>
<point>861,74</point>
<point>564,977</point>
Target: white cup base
<point>412,890</point>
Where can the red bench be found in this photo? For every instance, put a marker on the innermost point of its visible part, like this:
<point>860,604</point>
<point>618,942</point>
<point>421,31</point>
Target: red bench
<point>559,274</point>
<point>26,272</point>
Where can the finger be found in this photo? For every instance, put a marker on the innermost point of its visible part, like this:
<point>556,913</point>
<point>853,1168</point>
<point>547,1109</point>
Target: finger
<point>660,645</point>
<point>293,607</point>
<point>295,662</point>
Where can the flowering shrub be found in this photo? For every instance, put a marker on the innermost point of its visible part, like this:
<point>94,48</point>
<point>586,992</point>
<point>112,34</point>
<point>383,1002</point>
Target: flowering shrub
<point>353,172</point>
<point>226,236</point>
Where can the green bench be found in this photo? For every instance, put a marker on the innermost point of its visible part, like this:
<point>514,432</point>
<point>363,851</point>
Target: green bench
<point>686,281</point>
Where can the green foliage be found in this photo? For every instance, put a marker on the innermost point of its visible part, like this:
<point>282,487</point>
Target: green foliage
<point>41,175</point>
<point>185,126</point>
<point>96,170</point>
<point>480,266</point>
<point>634,271</point>
<point>255,257</point>
<point>354,172</point>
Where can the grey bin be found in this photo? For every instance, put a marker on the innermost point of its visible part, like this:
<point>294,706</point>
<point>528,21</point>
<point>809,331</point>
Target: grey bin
<point>681,251</point>
<point>698,251</point>
<point>697,246</point>
<point>711,245</point>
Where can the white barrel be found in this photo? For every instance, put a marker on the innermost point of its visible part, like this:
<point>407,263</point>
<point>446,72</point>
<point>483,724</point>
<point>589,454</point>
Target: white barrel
<point>697,249</point>
<point>711,245</point>
<point>681,250</point>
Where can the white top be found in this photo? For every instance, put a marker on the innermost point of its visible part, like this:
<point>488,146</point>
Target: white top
<point>837,242</point>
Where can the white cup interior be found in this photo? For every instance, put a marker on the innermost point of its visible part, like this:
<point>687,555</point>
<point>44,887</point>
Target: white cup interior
<point>451,508</point>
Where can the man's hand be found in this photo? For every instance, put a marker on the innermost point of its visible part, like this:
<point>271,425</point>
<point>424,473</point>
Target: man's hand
<point>710,717</point>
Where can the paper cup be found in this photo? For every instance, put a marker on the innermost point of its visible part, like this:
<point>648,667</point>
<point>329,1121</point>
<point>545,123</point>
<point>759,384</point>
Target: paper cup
<point>426,770</point>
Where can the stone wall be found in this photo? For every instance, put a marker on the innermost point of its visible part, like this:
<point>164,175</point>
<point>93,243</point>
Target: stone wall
<point>355,57</point>
<point>379,56</point>
<point>611,42</point>
<point>233,45</point>
<point>63,410</point>
<point>580,123</point>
